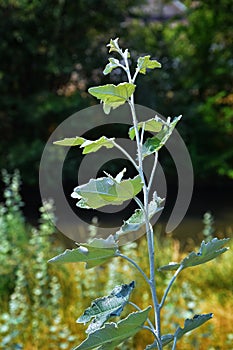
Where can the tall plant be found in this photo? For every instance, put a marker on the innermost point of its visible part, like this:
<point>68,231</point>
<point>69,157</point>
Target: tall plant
<point>115,190</point>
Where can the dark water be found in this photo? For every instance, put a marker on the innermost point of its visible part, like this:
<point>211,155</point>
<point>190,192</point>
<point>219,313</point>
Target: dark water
<point>216,199</point>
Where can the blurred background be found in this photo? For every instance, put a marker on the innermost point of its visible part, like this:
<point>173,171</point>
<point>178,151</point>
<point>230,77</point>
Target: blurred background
<point>51,52</point>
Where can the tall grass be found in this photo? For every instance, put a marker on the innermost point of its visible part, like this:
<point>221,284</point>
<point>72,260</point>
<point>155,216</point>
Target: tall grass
<point>40,303</point>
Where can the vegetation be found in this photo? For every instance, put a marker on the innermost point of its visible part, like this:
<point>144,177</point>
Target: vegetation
<point>44,76</point>
<point>114,190</point>
<point>62,293</point>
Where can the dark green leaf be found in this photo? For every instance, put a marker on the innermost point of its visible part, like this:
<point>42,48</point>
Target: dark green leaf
<point>102,309</point>
<point>153,125</point>
<point>106,190</point>
<point>94,253</point>
<point>112,334</point>
<point>145,62</point>
<point>191,324</point>
<point>155,143</point>
<point>112,95</point>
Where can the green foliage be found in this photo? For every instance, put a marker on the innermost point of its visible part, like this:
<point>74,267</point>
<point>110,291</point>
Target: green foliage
<point>95,253</point>
<point>43,77</point>
<point>145,63</point>
<point>111,95</point>
<point>208,251</point>
<point>112,334</point>
<point>101,191</point>
<point>102,309</point>
<point>106,190</point>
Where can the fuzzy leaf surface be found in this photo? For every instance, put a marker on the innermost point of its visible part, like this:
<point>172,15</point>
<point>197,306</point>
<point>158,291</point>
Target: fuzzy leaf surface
<point>145,63</point>
<point>112,334</point>
<point>93,146</point>
<point>93,254</point>
<point>103,308</point>
<point>153,125</point>
<point>113,63</point>
<point>137,220</point>
<point>191,324</point>
<point>156,142</point>
<point>70,141</point>
<point>106,190</point>
<point>112,95</point>
<point>87,145</point>
<point>208,251</point>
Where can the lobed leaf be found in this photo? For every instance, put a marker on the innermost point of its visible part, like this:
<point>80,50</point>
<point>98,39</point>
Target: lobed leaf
<point>137,220</point>
<point>106,190</point>
<point>153,125</point>
<point>156,142</point>
<point>113,63</point>
<point>208,251</point>
<point>112,334</point>
<point>103,308</point>
<point>93,146</point>
<point>112,95</point>
<point>191,324</point>
<point>145,62</point>
<point>94,253</point>
<point>87,145</point>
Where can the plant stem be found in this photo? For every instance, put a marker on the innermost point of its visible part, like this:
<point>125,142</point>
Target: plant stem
<point>139,309</point>
<point>153,171</point>
<point>170,285</point>
<point>135,265</point>
<point>174,344</point>
<point>149,230</point>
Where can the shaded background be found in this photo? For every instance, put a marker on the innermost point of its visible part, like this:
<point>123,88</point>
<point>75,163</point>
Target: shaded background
<point>52,51</point>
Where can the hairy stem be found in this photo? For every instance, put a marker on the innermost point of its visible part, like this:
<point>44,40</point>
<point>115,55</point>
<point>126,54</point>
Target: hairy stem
<point>170,285</point>
<point>149,230</point>
<point>126,154</point>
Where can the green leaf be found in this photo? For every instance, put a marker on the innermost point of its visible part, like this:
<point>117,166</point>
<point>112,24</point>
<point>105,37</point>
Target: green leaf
<point>114,46</point>
<point>71,141</point>
<point>145,62</point>
<point>155,143</point>
<point>191,324</point>
<point>166,339</point>
<point>112,334</point>
<point>208,251</point>
<point>93,146</point>
<point>87,145</point>
<point>170,267</point>
<point>137,220</point>
<point>153,125</point>
<point>113,63</point>
<point>102,309</point>
<point>106,190</point>
<point>112,95</point>
<point>94,253</point>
